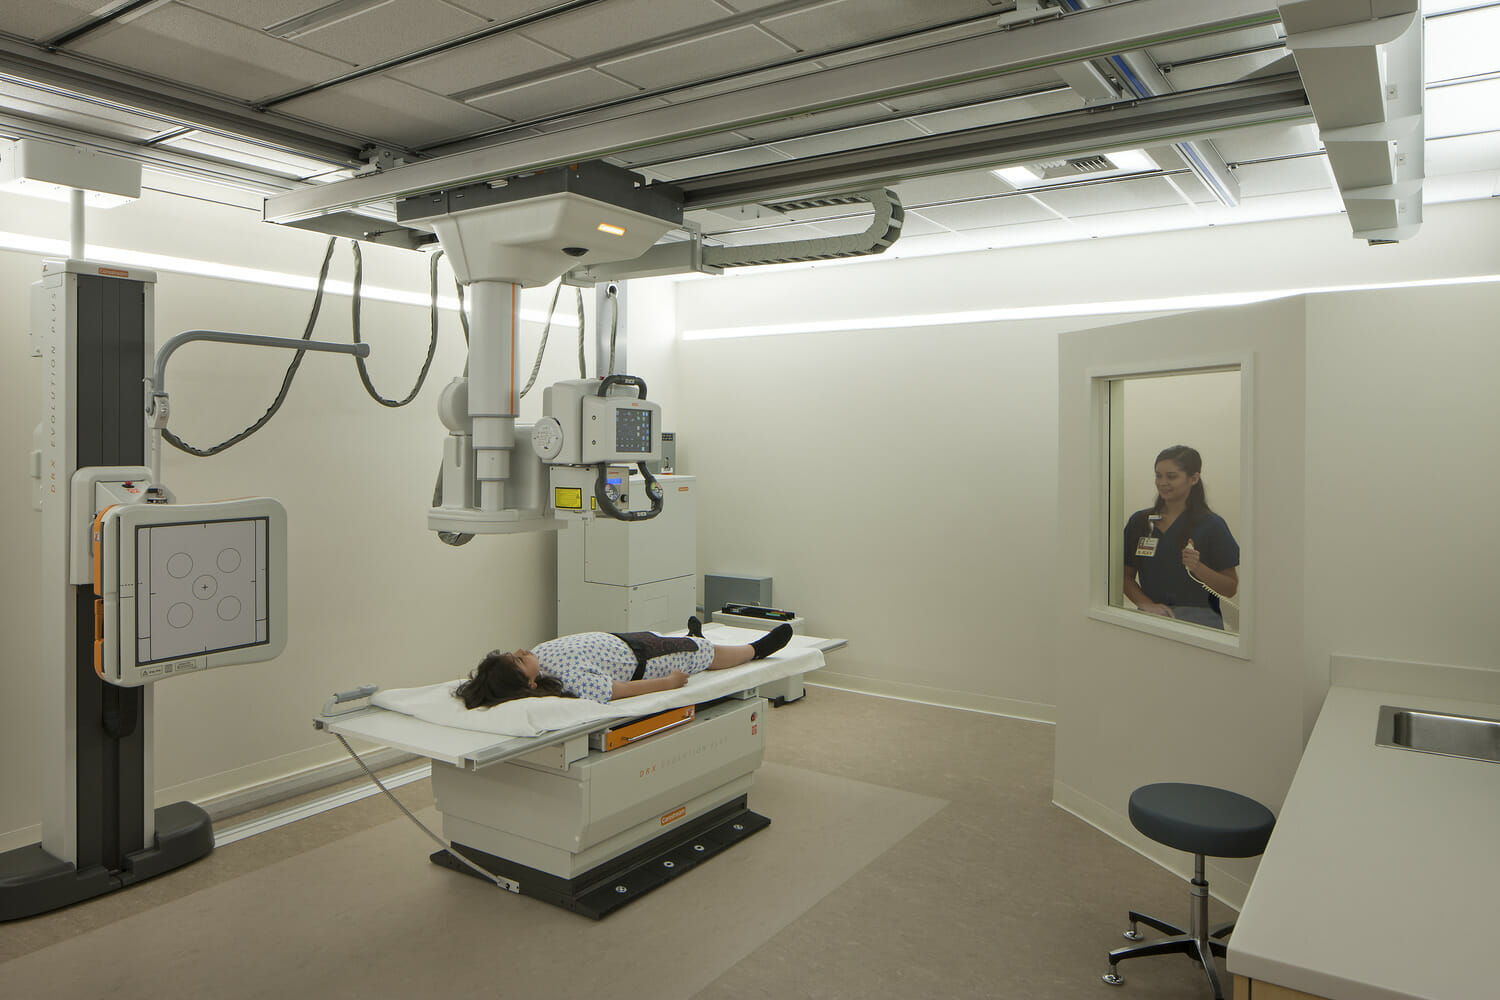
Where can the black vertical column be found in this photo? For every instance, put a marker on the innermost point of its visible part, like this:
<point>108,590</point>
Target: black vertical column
<point>110,361</point>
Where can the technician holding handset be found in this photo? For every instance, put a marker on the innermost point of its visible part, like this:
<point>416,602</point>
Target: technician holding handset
<point>1180,557</point>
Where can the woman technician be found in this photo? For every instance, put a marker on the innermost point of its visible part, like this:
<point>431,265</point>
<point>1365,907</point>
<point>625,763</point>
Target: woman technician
<point>1178,550</point>
<point>603,666</point>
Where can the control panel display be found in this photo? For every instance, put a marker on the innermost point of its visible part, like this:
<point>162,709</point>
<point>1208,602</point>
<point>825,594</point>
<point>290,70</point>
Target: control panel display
<point>632,430</point>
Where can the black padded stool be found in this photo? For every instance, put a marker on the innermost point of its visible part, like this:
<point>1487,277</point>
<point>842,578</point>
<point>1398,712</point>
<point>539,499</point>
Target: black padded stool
<point>1205,822</point>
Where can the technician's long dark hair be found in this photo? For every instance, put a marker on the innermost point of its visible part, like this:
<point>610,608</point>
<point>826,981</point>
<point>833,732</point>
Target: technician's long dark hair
<point>498,678</point>
<point>1190,462</point>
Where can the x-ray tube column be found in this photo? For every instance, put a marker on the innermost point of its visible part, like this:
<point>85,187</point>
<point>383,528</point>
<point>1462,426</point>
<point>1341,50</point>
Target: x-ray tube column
<point>492,386</point>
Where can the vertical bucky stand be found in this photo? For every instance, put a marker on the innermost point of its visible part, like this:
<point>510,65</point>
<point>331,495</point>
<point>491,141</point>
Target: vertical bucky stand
<point>100,831</point>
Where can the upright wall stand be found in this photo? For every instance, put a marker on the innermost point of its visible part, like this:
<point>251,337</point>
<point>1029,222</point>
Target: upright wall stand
<point>100,830</point>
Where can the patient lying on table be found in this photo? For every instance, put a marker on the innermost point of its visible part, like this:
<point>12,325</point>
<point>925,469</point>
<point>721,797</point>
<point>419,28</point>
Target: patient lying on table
<point>602,666</point>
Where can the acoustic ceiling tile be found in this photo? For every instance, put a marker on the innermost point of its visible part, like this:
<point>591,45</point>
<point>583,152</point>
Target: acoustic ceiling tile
<point>726,52</point>
<point>188,46</point>
<point>389,30</point>
<point>852,22</point>
<point>1219,71</point>
<point>1283,176</point>
<point>997,112</point>
<point>45,20</point>
<point>1116,196</point>
<point>816,124</point>
<point>390,113</point>
<point>916,224</point>
<point>622,23</point>
<point>1265,141</point>
<point>260,14</point>
<point>571,91</point>
<point>1463,154</point>
<point>952,187</point>
<point>719,162</point>
<point>482,63</point>
<point>849,138</point>
<point>504,11</point>
<point>1011,210</point>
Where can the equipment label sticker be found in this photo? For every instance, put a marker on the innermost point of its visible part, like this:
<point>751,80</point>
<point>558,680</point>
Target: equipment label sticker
<point>674,815</point>
<point>565,498</point>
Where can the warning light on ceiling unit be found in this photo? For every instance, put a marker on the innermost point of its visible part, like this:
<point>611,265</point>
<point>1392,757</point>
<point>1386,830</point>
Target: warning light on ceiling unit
<point>605,227</point>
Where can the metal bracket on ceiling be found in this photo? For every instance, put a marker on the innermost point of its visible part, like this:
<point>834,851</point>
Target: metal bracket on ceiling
<point>378,158</point>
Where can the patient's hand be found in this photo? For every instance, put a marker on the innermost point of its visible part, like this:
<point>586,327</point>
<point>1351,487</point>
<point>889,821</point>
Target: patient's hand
<point>676,679</point>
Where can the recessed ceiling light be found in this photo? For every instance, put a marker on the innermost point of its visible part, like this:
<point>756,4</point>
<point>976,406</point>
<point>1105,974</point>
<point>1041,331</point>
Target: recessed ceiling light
<point>1049,172</point>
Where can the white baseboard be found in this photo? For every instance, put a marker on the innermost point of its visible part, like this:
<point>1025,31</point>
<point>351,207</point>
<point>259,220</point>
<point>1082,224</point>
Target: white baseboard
<point>254,787</point>
<point>942,697</point>
<point>1222,885</point>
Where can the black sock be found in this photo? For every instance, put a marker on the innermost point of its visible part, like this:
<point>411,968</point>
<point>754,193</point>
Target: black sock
<point>695,627</point>
<point>772,641</point>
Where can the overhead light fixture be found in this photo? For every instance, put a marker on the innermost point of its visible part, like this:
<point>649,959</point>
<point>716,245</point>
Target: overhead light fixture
<point>605,227</point>
<point>1044,173</point>
<point>53,170</point>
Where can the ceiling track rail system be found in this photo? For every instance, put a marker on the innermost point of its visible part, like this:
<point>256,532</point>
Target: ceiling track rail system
<point>138,92</point>
<point>1170,118</point>
<point>1083,35</point>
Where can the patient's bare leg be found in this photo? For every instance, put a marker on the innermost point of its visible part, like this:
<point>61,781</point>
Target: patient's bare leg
<point>731,656</point>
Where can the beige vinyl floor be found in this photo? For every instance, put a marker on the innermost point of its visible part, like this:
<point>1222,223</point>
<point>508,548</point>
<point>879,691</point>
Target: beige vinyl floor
<point>913,852</point>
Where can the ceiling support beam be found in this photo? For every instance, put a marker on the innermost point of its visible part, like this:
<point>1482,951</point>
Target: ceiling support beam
<point>149,95</point>
<point>1082,35</point>
<point>1178,117</point>
<point>156,157</point>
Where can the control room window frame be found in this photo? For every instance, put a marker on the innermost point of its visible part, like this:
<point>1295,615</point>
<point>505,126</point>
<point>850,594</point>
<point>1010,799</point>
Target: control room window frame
<point>1106,487</point>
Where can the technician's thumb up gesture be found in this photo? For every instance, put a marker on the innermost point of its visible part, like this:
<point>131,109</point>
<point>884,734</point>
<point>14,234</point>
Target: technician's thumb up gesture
<point>1190,558</point>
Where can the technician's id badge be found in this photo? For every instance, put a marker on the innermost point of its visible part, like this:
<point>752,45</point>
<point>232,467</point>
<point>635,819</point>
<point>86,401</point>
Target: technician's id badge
<point>1146,546</point>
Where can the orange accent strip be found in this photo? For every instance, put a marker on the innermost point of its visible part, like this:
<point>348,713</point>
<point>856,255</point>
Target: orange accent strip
<point>674,815</point>
<point>620,736</point>
<point>99,638</point>
<point>515,330</point>
<point>113,272</point>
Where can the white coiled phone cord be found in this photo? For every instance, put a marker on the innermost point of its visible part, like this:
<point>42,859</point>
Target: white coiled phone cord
<point>1227,600</point>
<point>487,876</point>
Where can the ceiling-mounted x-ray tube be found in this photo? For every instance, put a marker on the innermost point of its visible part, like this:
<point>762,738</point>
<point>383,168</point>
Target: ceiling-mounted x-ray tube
<point>492,386</point>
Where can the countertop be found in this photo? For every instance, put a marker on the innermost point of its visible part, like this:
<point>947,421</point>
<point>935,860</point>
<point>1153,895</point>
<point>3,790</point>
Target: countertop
<point>1382,879</point>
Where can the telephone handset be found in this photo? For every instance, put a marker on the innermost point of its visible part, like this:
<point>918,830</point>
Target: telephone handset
<point>1227,600</point>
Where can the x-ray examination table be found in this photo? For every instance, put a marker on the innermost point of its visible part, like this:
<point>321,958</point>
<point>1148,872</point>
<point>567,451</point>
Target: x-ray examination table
<point>581,827</point>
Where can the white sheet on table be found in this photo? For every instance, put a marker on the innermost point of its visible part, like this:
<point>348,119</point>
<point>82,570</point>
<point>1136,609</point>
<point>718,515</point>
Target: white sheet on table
<point>436,703</point>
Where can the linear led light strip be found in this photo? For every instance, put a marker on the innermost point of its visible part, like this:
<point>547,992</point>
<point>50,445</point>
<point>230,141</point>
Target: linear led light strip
<point>1182,303</point>
<point>253,275</point>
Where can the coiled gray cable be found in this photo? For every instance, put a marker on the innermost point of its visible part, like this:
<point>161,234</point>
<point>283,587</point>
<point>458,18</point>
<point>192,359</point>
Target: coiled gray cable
<point>542,348</point>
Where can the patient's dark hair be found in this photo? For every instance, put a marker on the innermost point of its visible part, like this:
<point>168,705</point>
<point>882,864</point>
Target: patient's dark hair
<point>499,678</point>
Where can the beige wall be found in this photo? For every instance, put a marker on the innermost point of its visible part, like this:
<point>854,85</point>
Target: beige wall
<point>1133,707</point>
<point>1403,478</point>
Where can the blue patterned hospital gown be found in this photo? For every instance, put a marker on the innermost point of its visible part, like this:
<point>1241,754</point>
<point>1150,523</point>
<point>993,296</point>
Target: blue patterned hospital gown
<point>589,663</point>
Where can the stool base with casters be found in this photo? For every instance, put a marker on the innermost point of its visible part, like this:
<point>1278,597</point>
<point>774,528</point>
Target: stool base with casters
<point>1205,822</point>
<point>1199,942</point>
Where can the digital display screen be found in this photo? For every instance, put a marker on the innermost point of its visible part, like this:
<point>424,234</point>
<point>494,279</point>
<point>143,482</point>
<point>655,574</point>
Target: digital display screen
<point>633,430</point>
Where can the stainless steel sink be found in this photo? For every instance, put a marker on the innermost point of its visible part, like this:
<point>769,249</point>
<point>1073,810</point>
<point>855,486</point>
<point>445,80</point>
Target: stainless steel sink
<point>1437,732</point>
